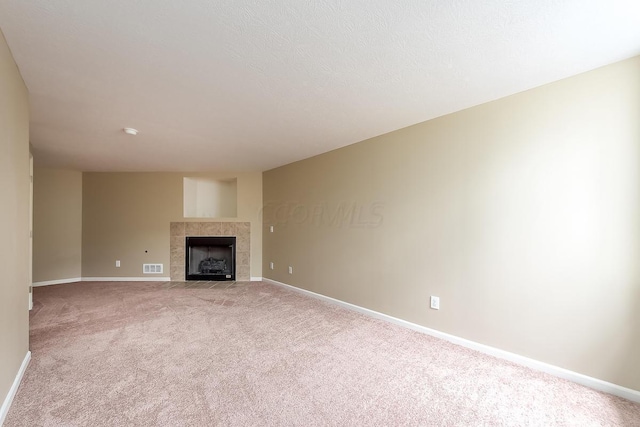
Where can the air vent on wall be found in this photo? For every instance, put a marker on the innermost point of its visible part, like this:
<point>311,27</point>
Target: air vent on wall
<point>151,268</point>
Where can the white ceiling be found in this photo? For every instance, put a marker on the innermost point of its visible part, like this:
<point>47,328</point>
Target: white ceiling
<point>251,85</point>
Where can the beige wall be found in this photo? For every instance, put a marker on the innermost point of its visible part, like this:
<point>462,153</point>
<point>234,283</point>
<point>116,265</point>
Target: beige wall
<point>522,215</point>
<point>14,220</point>
<point>57,224</point>
<point>126,214</point>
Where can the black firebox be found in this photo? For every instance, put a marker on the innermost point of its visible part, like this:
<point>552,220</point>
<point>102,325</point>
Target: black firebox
<point>210,258</point>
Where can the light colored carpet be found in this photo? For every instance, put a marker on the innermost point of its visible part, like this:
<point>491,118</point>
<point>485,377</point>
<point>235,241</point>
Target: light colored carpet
<point>254,354</point>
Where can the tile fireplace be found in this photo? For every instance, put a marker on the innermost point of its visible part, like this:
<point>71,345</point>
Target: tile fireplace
<point>214,260</point>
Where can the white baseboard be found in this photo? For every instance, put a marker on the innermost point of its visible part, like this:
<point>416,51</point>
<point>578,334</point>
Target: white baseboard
<point>103,279</point>
<point>256,279</point>
<point>4,410</point>
<point>594,383</point>
<point>127,279</point>
<point>57,282</point>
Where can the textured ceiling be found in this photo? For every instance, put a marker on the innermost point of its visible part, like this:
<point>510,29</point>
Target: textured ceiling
<point>240,85</point>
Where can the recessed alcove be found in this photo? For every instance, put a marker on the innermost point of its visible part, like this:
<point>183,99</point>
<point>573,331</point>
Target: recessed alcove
<point>210,198</point>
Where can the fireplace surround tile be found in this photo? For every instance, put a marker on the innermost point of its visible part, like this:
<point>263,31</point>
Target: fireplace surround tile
<point>243,227</point>
<point>242,242</point>
<point>243,273</point>
<point>242,258</point>
<point>228,229</point>
<point>176,241</point>
<point>177,272</point>
<point>177,229</point>
<point>177,255</point>
<point>210,229</point>
<point>192,229</point>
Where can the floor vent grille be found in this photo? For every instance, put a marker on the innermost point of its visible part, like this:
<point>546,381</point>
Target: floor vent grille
<point>151,268</point>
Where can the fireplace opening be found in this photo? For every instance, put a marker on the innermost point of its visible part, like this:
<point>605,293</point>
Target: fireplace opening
<point>210,258</point>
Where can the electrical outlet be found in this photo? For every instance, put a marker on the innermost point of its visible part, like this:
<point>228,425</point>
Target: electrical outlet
<point>435,303</point>
<point>271,265</point>
<point>117,263</point>
<point>290,270</point>
<point>271,228</point>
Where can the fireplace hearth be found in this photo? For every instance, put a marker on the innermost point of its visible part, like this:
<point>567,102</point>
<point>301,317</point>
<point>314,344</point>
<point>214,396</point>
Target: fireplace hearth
<point>210,258</point>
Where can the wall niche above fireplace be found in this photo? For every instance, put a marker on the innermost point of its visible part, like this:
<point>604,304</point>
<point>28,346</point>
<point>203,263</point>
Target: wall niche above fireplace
<point>210,198</point>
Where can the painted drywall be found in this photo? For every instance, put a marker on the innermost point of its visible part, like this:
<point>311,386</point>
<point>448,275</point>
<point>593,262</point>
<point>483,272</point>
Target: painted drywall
<point>57,224</point>
<point>126,216</point>
<point>522,215</point>
<point>14,219</point>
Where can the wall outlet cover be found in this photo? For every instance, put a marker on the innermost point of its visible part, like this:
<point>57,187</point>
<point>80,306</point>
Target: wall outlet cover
<point>435,303</point>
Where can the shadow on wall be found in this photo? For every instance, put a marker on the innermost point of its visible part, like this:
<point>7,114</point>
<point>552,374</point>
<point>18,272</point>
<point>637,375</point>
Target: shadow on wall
<point>631,334</point>
<point>631,358</point>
